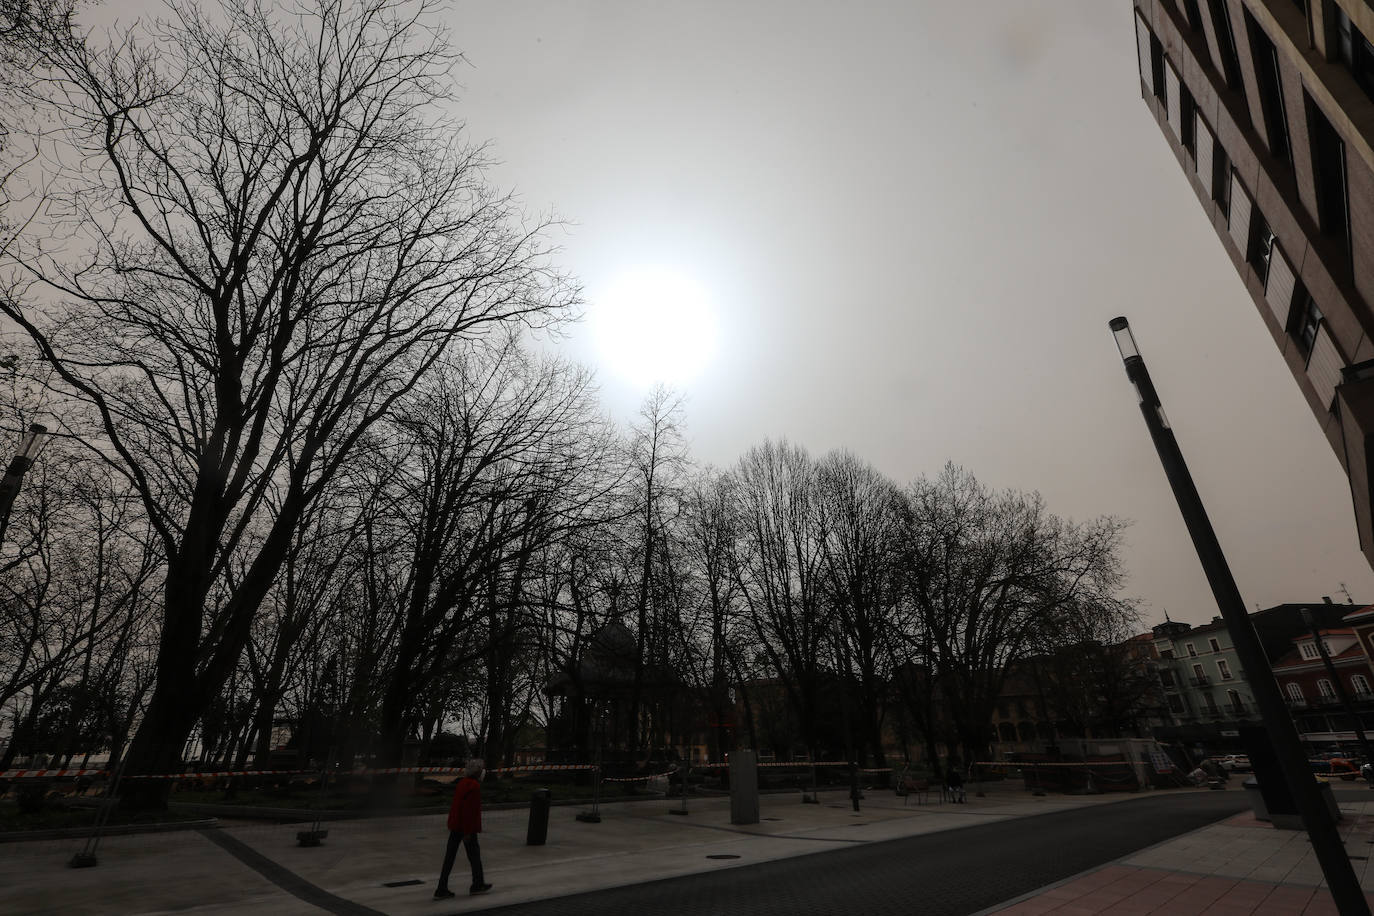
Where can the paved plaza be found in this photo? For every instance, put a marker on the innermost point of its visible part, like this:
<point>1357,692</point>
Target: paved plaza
<point>389,865</point>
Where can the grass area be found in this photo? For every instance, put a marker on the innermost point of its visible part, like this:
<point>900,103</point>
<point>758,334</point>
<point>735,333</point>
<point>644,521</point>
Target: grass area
<point>58,814</point>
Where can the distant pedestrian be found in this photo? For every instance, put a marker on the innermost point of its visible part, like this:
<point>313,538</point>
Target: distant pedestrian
<point>954,781</point>
<point>464,823</point>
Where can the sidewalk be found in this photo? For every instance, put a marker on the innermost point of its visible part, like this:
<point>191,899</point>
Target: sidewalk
<point>1238,866</point>
<point>256,867</point>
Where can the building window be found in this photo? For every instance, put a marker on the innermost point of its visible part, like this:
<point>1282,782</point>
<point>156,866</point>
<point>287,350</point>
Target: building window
<point>1360,684</point>
<point>1309,650</point>
<point>1224,669</point>
<point>1260,247</point>
<point>1325,688</point>
<point>1166,677</point>
<point>1175,703</point>
<point>1356,52</point>
<point>1198,675</point>
<point>1192,653</point>
<point>1226,43</point>
<point>1194,15</point>
<point>1157,67</point>
<point>1234,701</point>
<point>1328,166</point>
<point>1307,318</point>
<point>1216,646</point>
<point>1295,691</point>
<point>1221,179</point>
<point>1270,90</point>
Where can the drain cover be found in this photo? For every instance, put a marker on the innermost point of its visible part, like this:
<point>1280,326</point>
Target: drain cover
<point>723,855</point>
<point>402,883</point>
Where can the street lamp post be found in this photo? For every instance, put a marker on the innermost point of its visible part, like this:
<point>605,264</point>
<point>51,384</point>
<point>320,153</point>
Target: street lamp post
<point>1321,827</point>
<point>14,474</point>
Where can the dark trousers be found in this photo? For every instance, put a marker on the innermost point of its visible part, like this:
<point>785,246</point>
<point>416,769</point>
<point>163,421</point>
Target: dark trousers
<point>474,858</point>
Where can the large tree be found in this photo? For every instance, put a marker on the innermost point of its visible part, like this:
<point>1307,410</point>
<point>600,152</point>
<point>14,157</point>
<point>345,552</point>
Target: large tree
<point>986,573</point>
<point>270,234</point>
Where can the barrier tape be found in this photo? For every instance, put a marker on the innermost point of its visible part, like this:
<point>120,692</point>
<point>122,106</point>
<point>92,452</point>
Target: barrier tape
<point>393,771</point>
<point>797,765</point>
<point>29,774</point>
<point>1022,766</point>
<point>531,768</point>
<point>636,778</point>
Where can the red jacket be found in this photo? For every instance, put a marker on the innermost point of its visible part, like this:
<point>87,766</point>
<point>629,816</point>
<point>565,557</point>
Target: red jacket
<point>465,814</point>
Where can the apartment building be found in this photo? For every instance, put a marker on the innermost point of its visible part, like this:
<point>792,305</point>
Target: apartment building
<point>1268,105</point>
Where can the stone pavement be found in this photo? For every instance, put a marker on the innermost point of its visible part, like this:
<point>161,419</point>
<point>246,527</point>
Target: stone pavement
<point>388,866</point>
<point>188,871</point>
<point>1238,866</point>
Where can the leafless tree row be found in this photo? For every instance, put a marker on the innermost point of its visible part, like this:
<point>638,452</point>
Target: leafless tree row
<point>309,471</point>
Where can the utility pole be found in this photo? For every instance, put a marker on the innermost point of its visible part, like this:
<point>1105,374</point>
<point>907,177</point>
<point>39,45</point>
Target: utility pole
<point>1321,826</point>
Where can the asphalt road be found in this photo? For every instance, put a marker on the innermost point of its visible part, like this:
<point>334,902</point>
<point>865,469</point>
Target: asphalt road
<point>953,872</point>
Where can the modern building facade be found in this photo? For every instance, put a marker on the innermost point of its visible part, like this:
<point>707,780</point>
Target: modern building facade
<point>1268,106</point>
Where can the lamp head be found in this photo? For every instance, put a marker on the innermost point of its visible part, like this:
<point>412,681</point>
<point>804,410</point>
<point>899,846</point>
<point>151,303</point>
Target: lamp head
<point>33,441</point>
<point>1125,340</point>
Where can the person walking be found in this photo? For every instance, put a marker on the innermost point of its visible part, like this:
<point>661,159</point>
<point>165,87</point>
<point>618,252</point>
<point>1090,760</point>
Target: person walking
<point>464,823</point>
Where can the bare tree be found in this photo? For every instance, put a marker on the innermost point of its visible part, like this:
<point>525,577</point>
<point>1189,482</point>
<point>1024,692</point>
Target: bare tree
<point>863,523</point>
<point>271,235</point>
<point>985,572</point>
<point>780,569</point>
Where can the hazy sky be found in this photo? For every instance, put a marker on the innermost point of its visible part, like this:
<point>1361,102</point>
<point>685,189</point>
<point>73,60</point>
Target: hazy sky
<point>910,223</point>
<point>902,228</point>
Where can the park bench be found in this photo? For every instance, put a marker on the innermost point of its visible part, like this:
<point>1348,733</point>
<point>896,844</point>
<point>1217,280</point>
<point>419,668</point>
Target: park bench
<point>917,787</point>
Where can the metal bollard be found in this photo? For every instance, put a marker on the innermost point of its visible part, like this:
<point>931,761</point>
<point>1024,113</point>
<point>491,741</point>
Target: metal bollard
<point>538,830</point>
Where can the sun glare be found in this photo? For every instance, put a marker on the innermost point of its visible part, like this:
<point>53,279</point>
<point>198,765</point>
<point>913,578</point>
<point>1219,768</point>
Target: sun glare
<point>653,325</point>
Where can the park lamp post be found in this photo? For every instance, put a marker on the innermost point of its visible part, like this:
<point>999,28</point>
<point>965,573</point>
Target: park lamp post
<point>14,474</point>
<point>1316,818</point>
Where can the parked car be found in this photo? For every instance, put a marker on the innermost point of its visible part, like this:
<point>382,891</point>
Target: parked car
<point>1335,768</point>
<point>1235,763</point>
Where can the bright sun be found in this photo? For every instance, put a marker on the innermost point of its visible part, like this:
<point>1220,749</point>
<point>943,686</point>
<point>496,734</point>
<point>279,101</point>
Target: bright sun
<point>654,324</point>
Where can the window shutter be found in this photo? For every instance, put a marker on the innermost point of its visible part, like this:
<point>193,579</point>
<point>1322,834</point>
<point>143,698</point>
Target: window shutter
<point>1202,141</point>
<point>1171,101</point>
<point>1240,215</point>
<point>1279,289</point>
<point>1324,366</point>
<point>1142,40</point>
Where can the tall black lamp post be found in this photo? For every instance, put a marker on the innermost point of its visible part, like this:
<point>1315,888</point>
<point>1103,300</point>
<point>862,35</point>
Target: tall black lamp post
<point>14,474</point>
<point>1321,827</point>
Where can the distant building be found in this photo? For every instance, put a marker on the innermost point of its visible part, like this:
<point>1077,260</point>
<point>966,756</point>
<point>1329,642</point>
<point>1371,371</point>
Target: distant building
<point>1313,696</point>
<point>1206,688</point>
<point>1268,106</point>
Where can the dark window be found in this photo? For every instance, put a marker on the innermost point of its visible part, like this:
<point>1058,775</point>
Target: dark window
<point>1216,646</point>
<point>1270,89</point>
<point>1328,166</point>
<point>1157,66</point>
<point>1261,245</point>
<point>1190,9</point>
<point>1221,179</point>
<point>1356,52</point>
<point>1226,41</point>
<point>1307,318</point>
<point>1166,677</point>
<point>1187,111</point>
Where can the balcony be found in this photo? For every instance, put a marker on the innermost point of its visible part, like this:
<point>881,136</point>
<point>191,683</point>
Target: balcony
<point>1200,681</point>
<point>1294,703</point>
